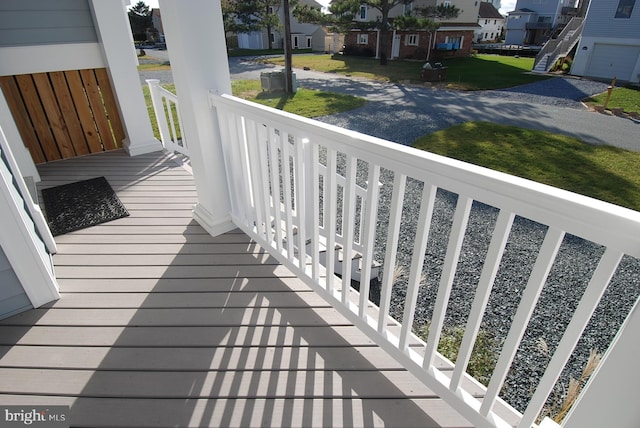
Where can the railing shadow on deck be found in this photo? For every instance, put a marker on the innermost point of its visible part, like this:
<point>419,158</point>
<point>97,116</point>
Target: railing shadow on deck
<point>184,363</point>
<point>278,161</point>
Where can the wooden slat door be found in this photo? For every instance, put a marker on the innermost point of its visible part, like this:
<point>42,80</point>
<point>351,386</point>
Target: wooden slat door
<point>64,114</point>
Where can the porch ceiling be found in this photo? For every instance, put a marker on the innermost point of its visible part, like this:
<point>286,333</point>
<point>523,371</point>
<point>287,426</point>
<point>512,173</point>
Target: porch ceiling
<point>160,324</point>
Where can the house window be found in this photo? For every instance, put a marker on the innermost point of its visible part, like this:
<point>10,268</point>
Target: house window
<point>362,16</point>
<point>446,3</point>
<point>308,42</point>
<point>273,37</point>
<point>408,7</point>
<point>271,10</point>
<point>412,40</point>
<point>363,39</point>
<point>495,21</point>
<point>456,41</point>
<point>625,7</point>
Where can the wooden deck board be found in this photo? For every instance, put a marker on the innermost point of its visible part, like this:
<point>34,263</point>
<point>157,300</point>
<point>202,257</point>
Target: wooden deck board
<point>160,324</point>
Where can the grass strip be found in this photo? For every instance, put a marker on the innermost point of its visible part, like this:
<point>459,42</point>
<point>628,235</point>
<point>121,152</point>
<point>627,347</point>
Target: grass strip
<point>602,172</point>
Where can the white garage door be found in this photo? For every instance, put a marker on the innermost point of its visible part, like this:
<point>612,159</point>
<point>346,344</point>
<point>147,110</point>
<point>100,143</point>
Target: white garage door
<point>609,61</point>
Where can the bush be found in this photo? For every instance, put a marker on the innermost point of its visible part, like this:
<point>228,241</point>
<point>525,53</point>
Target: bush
<point>351,50</point>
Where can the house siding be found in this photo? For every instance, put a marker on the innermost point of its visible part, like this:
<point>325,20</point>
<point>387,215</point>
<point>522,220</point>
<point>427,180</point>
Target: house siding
<point>13,299</point>
<point>609,46</point>
<point>45,22</point>
<point>602,21</point>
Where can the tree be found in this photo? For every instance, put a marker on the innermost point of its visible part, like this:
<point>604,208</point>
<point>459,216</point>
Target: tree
<point>140,20</point>
<point>343,14</point>
<point>245,16</point>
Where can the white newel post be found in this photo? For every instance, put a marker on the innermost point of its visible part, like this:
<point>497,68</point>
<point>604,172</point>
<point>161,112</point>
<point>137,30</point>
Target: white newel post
<point>114,33</point>
<point>196,44</point>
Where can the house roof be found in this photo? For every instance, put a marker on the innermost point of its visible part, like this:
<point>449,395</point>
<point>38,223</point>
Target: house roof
<point>488,11</point>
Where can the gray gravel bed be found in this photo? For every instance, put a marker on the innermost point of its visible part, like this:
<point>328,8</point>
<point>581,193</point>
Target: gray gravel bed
<point>568,279</point>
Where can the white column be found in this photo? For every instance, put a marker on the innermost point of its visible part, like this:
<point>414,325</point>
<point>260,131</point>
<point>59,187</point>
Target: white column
<point>114,33</point>
<point>196,44</point>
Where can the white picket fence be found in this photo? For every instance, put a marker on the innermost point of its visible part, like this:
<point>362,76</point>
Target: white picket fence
<point>298,186</point>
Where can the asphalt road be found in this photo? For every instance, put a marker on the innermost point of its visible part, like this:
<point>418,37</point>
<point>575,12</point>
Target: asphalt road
<point>402,113</point>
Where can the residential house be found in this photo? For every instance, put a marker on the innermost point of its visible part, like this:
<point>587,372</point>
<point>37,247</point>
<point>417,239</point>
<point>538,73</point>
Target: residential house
<point>219,313</point>
<point>453,38</point>
<point>156,23</point>
<point>534,21</point>
<point>302,34</point>
<point>491,23</point>
<point>610,42</point>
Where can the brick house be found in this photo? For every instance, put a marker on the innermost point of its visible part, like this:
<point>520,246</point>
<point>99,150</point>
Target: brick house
<point>454,38</point>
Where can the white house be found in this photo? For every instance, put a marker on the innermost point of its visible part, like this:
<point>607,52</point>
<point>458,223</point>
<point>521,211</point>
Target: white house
<point>535,21</point>
<point>302,34</point>
<point>610,43</point>
<point>491,23</point>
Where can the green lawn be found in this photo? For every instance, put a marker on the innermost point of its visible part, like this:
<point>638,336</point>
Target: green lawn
<point>603,172</point>
<point>489,72</point>
<point>626,98</point>
<point>472,73</point>
<point>305,102</point>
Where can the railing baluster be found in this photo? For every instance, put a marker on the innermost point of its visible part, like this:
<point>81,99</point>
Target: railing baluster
<point>538,278</point>
<point>417,261</point>
<point>240,156</point>
<point>592,295</point>
<point>399,183</point>
<point>458,228</point>
<point>275,185</point>
<point>315,210</point>
<point>262,139</point>
<point>227,134</point>
<point>256,176</point>
<point>370,214</point>
<point>301,173</point>
<point>330,216</point>
<point>349,202</point>
<point>483,290</point>
<point>286,175</point>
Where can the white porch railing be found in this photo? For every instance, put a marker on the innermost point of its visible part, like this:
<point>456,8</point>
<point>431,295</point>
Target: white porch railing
<point>299,184</point>
<point>167,111</point>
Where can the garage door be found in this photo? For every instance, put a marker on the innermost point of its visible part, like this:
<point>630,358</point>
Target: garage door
<point>609,61</point>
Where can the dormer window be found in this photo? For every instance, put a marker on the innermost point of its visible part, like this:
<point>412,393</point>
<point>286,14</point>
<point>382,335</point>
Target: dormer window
<point>362,16</point>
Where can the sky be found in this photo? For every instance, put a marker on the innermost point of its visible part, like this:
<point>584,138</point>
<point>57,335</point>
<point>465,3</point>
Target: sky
<point>506,5</point>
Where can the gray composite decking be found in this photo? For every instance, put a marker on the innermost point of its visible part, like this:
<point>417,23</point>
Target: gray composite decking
<point>160,324</point>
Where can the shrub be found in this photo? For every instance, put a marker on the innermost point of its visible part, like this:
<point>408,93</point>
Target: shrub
<point>351,50</point>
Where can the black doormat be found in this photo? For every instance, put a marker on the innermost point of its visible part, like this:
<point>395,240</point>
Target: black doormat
<point>82,204</point>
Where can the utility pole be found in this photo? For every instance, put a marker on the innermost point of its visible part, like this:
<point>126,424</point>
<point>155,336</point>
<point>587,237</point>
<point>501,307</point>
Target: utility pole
<point>288,73</point>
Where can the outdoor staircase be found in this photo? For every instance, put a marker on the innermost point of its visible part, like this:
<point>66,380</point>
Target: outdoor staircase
<point>558,48</point>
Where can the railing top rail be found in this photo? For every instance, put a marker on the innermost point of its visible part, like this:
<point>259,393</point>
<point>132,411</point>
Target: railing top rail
<point>601,222</point>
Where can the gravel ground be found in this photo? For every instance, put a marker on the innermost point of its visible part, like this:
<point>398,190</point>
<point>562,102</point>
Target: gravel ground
<point>567,281</point>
